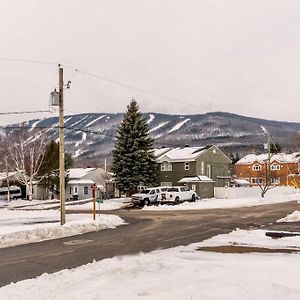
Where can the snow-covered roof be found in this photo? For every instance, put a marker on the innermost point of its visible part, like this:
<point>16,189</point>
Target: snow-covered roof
<point>241,181</point>
<point>81,181</point>
<point>161,151</point>
<point>181,154</point>
<point>79,172</point>
<point>261,158</point>
<point>198,178</point>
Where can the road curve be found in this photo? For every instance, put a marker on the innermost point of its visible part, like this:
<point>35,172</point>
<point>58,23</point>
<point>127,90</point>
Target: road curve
<point>145,231</point>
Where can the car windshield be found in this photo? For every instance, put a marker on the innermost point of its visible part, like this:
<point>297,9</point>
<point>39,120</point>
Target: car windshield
<point>145,192</point>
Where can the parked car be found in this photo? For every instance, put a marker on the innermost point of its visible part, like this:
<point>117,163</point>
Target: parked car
<point>177,194</point>
<point>148,196</point>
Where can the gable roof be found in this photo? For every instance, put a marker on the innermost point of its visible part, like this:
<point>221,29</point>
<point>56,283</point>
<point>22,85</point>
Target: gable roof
<point>75,173</point>
<point>262,158</point>
<point>182,154</point>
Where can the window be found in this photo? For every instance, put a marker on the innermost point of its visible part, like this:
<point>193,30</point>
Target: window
<point>208,168</point>
<point>166,184</point>
<point>256,180</point>
<point>275,180</point>
<point>70,190</point>
<point>75,190</point>
<point>194,187</point>
<point>256,167</point>
<point>186,166</point>
<point>202,167</point>
<point>85,190</point>
<point>166,166</point>
<point>152,192</point>
<point>275,167</point>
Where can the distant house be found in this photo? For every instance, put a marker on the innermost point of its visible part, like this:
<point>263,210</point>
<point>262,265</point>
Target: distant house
<point>80,182</point>
<point>284,169</point>
<point>200,168</point>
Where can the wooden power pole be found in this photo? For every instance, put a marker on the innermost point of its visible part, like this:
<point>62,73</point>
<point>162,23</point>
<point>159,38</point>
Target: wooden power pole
<point>61,147</point>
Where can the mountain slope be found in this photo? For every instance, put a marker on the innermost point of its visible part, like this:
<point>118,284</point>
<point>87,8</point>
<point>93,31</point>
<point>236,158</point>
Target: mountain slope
<point>90,137</point>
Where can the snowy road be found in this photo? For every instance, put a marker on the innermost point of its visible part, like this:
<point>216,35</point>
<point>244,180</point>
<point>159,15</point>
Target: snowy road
<point>147,231</point>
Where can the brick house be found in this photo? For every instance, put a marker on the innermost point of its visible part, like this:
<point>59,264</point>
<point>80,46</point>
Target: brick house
<point>284,169</point>
<point>200,168</point>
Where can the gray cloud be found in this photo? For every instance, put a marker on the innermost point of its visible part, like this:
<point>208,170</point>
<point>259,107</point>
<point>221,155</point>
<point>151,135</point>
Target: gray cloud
<point>226,55</point>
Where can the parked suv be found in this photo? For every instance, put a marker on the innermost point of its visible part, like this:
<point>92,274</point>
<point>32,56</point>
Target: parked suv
<point>177,194</point>
<point>148,196</point>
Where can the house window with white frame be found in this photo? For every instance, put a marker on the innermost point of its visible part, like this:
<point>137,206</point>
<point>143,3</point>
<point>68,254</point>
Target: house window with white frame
<point>164,183</point>
<point>255,180</point>
<point>256,167</point>
<point>275,180</point>
<point>85,190</point>
<point>275,167</point>
<point>186,166</point>
<point>166,166</point>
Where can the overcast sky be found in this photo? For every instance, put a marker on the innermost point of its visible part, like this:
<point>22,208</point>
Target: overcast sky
<point>212,55</point>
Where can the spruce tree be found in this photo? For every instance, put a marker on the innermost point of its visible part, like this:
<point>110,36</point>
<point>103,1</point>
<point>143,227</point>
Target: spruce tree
<point>49,170</point>
<point>133,159</point>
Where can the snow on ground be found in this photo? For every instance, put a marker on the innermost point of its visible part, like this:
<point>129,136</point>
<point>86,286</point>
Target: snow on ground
<point>158,126</point>
<point>20,227</point>
<point>179,125</point>
<point>83,140</point>
<point>151,118</point>
<point>293,217</point>
<point>94,121</point>
<point>179,273</point>
<point>226,203</point>
<point>110,204</point>
<point>253,238</point>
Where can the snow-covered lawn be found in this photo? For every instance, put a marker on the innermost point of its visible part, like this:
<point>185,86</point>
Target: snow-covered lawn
<point>21,227</point>
<point>226,203</point>
<point>179,273</point>
<point>110,204</point>
<point>86,204</point>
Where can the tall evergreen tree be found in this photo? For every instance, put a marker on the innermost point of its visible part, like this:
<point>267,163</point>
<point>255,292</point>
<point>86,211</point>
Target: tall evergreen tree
<point>133,159</point>
<point>49,170</point>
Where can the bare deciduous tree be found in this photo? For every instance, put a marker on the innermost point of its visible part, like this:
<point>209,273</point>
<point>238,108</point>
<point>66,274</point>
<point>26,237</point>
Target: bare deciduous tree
<point>26,155</point>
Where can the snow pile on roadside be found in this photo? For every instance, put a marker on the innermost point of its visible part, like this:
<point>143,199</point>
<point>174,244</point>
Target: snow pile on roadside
<point>22,227</point>
<point>293,217</point>
<point>110,204</point>
<point>226,203</point>
<point>253,238</point>
<point>179,273</point>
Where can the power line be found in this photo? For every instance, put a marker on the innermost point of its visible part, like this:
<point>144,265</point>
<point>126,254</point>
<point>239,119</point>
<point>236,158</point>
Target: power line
<point>24,112</point>
<point>130,86</point>
<point>102,78</point>
<point>27,61</point>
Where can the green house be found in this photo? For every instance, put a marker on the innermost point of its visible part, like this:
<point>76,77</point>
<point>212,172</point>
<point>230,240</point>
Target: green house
<point>200,168</point>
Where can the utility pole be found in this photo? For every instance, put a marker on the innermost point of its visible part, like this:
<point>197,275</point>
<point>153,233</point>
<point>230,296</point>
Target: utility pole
<point>61,147</point>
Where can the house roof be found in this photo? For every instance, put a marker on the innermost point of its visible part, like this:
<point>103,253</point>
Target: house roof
<point>182,154</point>
<point>81,181</point>
<point>261,158</point>
<point>79,172</point>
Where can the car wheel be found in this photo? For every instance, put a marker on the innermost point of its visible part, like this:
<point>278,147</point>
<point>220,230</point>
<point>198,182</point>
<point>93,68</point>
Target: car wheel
<point>146,202</point>
<point>193,198</point>
<point>177,200</point>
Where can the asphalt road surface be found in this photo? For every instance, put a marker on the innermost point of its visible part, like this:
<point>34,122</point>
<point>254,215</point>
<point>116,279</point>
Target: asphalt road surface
<point>145,231</point>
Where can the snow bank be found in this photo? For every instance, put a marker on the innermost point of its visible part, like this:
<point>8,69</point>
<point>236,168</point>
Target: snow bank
<point>293,217</point>
<point>22,227</point>
<point>180,273</point>
<point>110,204</point>
<point>226,203</point>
